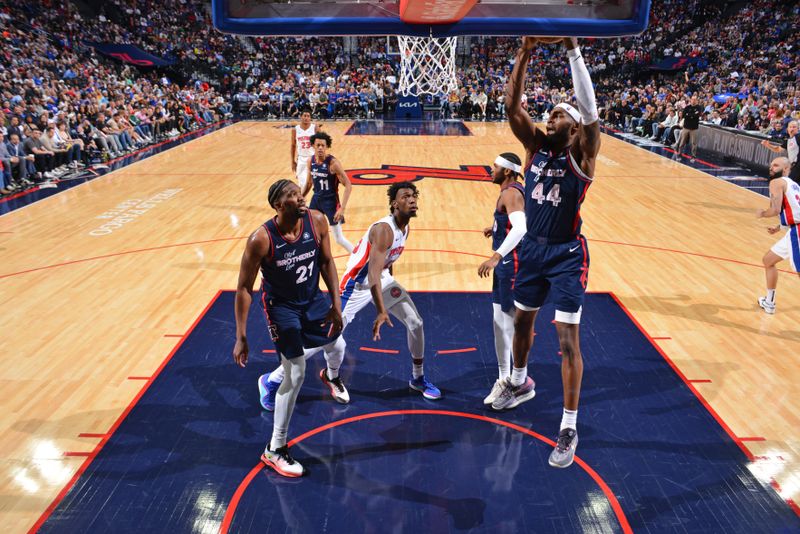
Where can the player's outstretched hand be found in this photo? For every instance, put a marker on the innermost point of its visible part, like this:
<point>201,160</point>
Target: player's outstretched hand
<point>487,232</point>
<point>334,317</point>
<point>338,216</point>
<point>486,267</point>
<point>774,229</point>
<point>240,351</point>
<point>376,326</point>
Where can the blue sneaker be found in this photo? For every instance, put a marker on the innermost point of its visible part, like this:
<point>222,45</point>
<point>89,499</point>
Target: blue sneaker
<point>267,391</point>
<point>429,391</point>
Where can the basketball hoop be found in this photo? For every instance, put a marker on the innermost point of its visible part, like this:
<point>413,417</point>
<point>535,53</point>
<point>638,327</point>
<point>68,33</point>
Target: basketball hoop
<point>427,65</point>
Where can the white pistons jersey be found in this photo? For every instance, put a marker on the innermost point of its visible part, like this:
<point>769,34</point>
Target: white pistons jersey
<point>355,273</point>
<point>303,141</point>
<point>790,207</point>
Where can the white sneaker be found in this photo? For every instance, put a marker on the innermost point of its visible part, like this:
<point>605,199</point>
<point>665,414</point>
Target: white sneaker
<point>496,389</point>
<point>338,391</point>
<point>768,307</point>
<point>282,462</point>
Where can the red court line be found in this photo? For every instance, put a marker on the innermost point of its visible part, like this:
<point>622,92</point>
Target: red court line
<point>175,245</point>
<point>736,439</point>
<point>662,338</point>
<point>36,526</point>
<point>612,499</point>
<point>78,453</point>
<point>453,351</point>
<point>790,502</point>
<point>139,378</point>
<point>88,435</point>
<point>387,351</point>
<point>686,381</point>
<point>268,351</point>
<point>700,381</point>
<point>123,253</point>
<point>19,194</point>
<point>173,335</point>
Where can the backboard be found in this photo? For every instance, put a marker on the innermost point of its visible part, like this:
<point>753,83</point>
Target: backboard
<point>433,18</point>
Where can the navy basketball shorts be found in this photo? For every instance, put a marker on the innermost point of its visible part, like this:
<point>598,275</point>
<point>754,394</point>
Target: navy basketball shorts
<point>294,328</point>
<point>327,205</point>
<point>555,271</point>
<point>503,290</point>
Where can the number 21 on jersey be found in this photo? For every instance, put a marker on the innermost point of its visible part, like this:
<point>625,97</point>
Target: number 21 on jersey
<point>552,196</point>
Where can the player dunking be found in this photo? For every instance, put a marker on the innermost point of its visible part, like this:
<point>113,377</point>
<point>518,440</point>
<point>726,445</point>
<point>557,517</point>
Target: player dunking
<point>784,200</point>
<point>292,250</point>
<point>324,174</point>
<point>302,151</point>
<point>554,258</point>
<point>367,279</point>
<point>506,233</point>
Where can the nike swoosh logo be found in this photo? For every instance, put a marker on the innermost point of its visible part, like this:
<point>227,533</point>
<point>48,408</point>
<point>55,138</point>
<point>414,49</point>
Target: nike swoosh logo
<point>279,246</point>
<point>573,249</point>
<point>506,262</point>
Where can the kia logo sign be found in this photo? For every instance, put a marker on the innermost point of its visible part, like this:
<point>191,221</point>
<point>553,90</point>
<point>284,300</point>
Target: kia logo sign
<point>408,104</point>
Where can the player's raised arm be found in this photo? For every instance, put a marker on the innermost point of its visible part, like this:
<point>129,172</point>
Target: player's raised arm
<point>519,120</point>
<point>327,270</point>
<point>589,132</point>
<point>380,239</point>
<point>257,248</point>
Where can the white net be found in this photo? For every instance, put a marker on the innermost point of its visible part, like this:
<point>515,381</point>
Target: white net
<point>427,65</point>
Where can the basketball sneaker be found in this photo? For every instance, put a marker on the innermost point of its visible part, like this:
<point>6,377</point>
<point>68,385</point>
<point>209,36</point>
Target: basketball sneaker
<point>282,462</point>
<point>429,391</point>
<point>496,389</point>
<point>267,391</point>
<point>767,306</point>
<point>512,396</point>
<point>564,453</point>
<point>338,391</point>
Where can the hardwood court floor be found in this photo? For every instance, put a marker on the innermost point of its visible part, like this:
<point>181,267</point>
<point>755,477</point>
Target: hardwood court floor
<point>99,281</point>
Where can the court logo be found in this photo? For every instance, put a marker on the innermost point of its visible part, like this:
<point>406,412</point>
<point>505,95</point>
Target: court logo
<point>391,174</point>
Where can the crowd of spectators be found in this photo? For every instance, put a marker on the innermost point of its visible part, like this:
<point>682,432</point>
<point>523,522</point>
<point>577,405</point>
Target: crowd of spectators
<point>65,105</point>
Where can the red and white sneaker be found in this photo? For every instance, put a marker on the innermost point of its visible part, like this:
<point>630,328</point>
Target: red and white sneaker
<point>282,462</point>
<point>338,391</point>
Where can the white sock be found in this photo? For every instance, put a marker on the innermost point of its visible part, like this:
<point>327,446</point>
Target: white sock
<point>518,376</point>
<point>339,237</point>
<point>276,375</point>
<point>334,354</point>
<point>569,419</point>
<point>295,370</point>
<point>503,325</point>
<point>416,370</point>
<point>771,296</point>
<point>406,313</point>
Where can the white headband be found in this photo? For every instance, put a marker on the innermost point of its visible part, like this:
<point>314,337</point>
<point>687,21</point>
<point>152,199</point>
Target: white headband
<point>503,162</point>
<point>574,113</point>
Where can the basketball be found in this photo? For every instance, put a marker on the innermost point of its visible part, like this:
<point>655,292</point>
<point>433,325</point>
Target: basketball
<point>549,40</point>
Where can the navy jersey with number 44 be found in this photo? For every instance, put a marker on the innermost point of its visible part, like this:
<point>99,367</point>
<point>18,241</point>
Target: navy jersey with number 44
<point>555,187</point>
<point>326,184</point>
<point>290,272</point>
